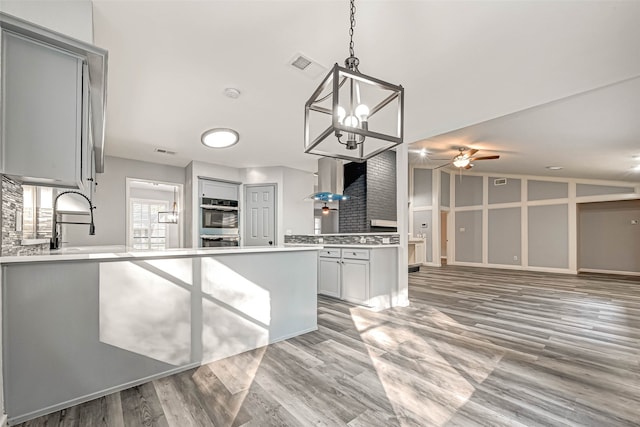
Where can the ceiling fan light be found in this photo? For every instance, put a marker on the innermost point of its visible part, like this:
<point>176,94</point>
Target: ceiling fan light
<point>461,161</point>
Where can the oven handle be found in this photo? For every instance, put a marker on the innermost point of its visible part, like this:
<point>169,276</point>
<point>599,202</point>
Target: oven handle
<point>219,237</point>
<point>219,208</point>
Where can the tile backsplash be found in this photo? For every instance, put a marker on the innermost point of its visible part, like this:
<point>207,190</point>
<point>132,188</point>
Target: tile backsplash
<point>343,239</point>
<point>11,205</point>
<point>12,208</point>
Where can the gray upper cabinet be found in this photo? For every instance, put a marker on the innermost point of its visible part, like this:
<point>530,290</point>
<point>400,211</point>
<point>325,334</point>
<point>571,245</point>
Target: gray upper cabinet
<point>53,95</point>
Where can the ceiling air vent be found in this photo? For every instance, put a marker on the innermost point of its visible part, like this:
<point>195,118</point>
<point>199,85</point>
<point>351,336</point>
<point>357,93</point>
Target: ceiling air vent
<point>307,66</point>
<point>500,181</point>
<point>164,151</point>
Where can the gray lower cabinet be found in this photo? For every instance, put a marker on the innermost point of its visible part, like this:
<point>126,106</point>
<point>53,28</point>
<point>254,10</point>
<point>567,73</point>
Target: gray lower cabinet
<point>360,276</point>
<point>329,272</point>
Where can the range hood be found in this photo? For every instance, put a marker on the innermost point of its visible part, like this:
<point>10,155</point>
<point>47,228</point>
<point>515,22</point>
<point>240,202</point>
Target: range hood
<point>330,181</point>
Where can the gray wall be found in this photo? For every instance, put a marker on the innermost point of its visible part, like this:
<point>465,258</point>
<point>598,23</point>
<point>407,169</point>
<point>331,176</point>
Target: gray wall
<point>505,236</point>
<point>110,199</point>
<point>468,190</point>
<point>422,187</point>
<point>607,239</point>
<point>545,190</point>
<point>469,241</point>
<point>507,193</point>
<point>548,232</point>
<point>445,183</point>
<point>594,190</point>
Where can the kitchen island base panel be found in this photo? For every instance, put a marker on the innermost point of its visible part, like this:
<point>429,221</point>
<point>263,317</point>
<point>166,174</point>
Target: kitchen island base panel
<point>77,330</point>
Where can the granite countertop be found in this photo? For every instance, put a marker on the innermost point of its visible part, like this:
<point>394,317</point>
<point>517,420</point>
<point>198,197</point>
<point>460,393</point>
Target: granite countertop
<point>98,253</point>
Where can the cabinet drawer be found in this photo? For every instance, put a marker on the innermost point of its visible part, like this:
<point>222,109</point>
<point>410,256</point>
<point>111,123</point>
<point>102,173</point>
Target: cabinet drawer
<point>330,253</point>
<point>355,253</point>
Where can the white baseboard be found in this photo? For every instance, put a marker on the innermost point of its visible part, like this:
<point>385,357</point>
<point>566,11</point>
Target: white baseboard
<point>595,270</point>
<point>515,267</point>
<point>3,420</point>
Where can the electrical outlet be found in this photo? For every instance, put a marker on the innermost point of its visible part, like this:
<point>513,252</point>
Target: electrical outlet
<point>363,240</point>
<point>634,222</point>
<point>515,257</point>
<point>386,240</point>
<point>320,240</point>
<point>462,229</point>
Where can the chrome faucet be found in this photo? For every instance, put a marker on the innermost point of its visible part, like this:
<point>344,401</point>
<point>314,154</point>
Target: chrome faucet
<point>55,236</point>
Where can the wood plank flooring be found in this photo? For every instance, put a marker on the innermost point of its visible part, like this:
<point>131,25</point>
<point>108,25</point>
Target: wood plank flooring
<point>476,347</point>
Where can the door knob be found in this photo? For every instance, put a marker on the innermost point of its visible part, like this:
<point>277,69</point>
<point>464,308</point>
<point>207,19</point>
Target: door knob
<point>270,242</point>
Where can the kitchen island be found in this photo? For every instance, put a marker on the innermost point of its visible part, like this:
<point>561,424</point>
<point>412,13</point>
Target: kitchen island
<point>81,325</point>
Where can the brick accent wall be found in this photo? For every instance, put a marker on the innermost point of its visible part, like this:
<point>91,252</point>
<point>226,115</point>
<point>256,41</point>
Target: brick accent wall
<point>353,212</point>
<point>381,187</point>
<point>372,190</point>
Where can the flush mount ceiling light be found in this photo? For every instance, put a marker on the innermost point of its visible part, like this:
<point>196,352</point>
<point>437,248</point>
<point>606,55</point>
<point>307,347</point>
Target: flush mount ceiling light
<point>554,168</point>
<point>349,108</point>
<point>220,138</point>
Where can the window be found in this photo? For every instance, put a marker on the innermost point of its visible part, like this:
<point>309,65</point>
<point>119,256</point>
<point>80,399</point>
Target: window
<point>37,212</point>
<point>145,231</point>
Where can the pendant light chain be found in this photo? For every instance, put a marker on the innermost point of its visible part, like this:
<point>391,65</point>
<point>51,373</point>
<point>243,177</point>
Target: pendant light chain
<point>352,62</point>
<point>353,24</point>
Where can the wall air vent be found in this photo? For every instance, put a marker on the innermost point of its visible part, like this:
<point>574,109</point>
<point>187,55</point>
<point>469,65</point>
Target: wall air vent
<point>500,181</point>
<point>307,66</point>
<point>164,151</point>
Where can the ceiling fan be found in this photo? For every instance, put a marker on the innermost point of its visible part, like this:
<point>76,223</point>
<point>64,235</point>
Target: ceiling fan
<point>326,209</point>
<point>464,158</point>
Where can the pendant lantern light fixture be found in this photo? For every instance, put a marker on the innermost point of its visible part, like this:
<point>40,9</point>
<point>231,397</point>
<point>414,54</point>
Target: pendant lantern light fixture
<point>171,217</point>
<point>352,116</point>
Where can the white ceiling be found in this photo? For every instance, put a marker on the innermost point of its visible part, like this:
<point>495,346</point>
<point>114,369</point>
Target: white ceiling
<point>539,82</point>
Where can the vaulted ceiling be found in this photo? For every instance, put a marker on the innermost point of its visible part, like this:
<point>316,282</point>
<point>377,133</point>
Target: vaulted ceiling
<point>539,82</point>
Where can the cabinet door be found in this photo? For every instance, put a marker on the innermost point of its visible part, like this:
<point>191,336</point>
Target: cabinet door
<point>42,112</point>
<point>218,190</point>
<point>355,281</point>
<point>329,277</point>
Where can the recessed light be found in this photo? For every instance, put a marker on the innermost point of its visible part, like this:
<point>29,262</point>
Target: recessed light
<point>220,138</point>
<point>554,168</point>
<point>232,92</point>
<point>423,153</point>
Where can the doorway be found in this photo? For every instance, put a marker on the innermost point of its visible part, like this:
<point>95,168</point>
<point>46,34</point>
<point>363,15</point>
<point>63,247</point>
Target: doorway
<point>260,215</point>
<point>443,237</point>
<point>154,218</point>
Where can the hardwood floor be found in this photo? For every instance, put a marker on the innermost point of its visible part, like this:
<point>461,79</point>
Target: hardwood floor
<point>476,347</point>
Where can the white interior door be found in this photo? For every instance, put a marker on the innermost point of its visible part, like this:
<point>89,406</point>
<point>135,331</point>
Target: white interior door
<point>260,215</point>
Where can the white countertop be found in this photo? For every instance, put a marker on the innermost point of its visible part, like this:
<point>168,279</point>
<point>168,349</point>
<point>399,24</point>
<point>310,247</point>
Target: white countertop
<point>98,253</point>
